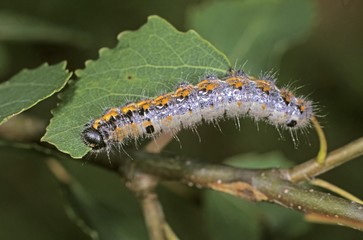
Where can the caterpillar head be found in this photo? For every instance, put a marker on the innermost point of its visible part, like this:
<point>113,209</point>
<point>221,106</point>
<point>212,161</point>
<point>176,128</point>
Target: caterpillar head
<point>92,138</point>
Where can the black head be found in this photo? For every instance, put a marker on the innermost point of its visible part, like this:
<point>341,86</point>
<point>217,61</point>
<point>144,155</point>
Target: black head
<point>92,138</point>
<point>291,123</point>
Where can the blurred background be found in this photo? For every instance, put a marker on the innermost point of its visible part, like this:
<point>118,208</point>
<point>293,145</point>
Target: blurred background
<point>315,47</point>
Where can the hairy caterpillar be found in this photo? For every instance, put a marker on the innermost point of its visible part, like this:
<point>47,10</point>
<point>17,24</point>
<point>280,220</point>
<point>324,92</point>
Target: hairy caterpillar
<point>235,95</point>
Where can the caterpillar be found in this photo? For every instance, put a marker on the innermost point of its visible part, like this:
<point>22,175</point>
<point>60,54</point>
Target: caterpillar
<point>235,95</point>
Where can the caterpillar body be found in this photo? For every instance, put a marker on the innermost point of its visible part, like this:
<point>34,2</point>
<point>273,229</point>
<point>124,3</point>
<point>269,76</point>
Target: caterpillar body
<point>234,95</point>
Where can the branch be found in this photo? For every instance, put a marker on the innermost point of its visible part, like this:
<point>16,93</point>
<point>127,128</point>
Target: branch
<point>143,186</point>
<point>271,185</point>
<point>323,206</point>
<point>312,168</point>
<point>256,185</point>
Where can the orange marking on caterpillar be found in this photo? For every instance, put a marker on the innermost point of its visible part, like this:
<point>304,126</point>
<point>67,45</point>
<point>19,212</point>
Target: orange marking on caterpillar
<point>113,112</point>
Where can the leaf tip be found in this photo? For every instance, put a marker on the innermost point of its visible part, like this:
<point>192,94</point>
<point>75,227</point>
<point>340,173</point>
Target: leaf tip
<point>122,34</point>
<point>87,63</point>
<point>64,65</point>
<point>103,51</point>
<point>74,154</point>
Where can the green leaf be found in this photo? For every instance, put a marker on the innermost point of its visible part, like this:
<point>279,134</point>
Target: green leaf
<point>254,32</point>
<point>17,27</point>
<point>29,87</point>
<point>145,63</point>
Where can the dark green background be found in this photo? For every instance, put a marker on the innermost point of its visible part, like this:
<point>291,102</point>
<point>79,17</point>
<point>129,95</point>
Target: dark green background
<point>327,63</point>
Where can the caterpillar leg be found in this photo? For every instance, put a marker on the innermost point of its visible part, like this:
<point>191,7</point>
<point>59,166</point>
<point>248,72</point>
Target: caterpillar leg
<point>320,158</point>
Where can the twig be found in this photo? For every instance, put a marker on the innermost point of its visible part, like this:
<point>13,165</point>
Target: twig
<point>143,186</point>
<point>328,208</point>
<point>312,168</point>
<point>77,208</point>
<point>320,158</point>
<point>158,227</point>
<point>335,189</point>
